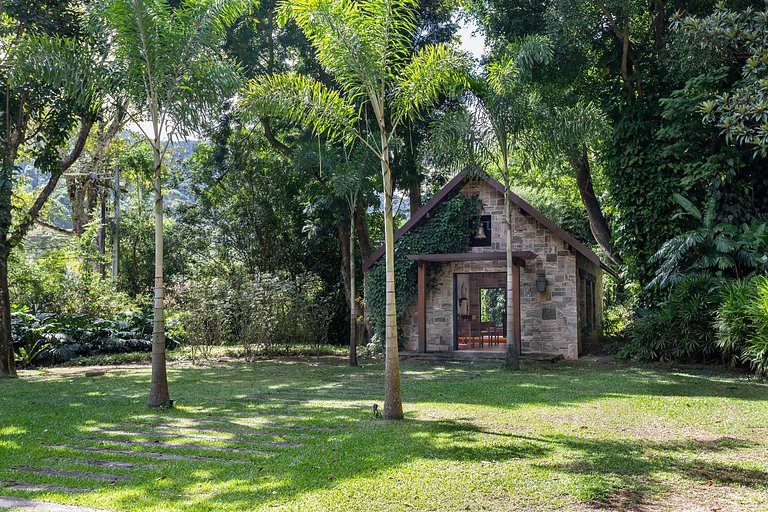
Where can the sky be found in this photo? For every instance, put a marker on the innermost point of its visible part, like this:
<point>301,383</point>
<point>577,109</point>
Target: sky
<point>471,42</point>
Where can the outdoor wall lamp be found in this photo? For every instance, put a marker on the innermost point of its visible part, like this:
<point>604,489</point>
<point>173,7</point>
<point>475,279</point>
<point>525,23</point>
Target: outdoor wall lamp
<point>541,282</point>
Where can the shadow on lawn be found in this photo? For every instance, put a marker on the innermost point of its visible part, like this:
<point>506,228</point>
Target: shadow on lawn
<point>622,473</point>
<point>626,474</point>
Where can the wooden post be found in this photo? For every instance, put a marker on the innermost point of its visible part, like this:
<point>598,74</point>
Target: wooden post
<point>516,327</point>
<point>422,306</point>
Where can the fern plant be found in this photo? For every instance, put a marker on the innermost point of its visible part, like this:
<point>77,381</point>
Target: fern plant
<point>681,328</point>
<point>720,248</point>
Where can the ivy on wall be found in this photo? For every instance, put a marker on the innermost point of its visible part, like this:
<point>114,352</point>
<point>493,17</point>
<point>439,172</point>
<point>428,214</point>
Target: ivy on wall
<point>446,230</point>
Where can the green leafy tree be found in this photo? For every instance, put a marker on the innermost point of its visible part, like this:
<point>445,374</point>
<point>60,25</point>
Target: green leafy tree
<point>49,78</point>
<point>739,37</point>
<point>365,46</point>
<point>175,76</point>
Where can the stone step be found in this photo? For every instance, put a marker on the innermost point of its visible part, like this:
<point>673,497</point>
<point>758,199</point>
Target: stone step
<point>245,431</point>
<point>476,356</point>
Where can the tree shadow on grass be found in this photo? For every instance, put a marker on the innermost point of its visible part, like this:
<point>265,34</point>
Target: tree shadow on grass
<point>605,472</point>
<point>629,474</point>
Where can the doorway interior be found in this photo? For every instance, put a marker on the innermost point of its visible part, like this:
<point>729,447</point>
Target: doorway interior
<point>479,311</point>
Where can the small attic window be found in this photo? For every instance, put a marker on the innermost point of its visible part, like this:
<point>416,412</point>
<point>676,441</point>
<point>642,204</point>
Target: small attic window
<point>483,234</point>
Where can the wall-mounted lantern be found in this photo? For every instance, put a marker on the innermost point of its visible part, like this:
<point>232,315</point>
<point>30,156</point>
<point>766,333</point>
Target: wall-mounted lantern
<point>541,282</point>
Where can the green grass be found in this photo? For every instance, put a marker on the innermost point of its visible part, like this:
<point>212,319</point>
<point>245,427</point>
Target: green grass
<point>568,436</point>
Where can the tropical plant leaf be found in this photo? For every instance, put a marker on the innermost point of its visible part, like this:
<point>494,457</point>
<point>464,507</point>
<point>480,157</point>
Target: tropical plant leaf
<point>302,100</point>
<point>435,70</point>
<point>687,205</point>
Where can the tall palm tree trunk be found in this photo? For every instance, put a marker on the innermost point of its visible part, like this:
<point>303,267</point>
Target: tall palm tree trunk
<point>393,404</point>
<point>512,356</point>
<point>352,292</point>
<point>158,391</point>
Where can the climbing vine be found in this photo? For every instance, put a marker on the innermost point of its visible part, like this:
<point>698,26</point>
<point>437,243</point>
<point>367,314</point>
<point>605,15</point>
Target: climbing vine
<point>446,230</point>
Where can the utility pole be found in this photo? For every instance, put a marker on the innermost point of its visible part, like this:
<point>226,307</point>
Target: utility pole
<point>103,235</point>
<point>116,229</point>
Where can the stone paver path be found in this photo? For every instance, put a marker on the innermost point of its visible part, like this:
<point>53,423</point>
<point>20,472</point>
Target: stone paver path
<point>272,420</point>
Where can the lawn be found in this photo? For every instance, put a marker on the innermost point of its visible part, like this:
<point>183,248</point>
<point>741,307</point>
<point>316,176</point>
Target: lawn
<point>300,435</point>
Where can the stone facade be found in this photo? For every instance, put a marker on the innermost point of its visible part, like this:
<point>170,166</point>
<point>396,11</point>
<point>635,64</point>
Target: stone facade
<point>551,321</point>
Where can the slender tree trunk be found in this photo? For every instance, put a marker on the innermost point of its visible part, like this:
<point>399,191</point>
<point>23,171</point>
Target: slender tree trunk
<point>598,224</point>
<point>363,237</point>
<point>352,294</point>
<point>7,361</point>
<point>158,392</point>
<point>116,230</point>
<point>77,190</point>
<point>512,356</point>
<point>393,404</point>
<point>343,235</point>
<point>364,243</point>
<point>414,196</point>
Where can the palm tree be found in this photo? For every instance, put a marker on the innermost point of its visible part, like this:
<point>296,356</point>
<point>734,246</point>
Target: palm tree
<point>176,77</point>
<point>493,131</point>
<point>365,46</point>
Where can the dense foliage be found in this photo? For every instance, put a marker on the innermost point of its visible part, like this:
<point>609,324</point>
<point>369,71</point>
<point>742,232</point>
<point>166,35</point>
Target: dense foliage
<point>640,127</point>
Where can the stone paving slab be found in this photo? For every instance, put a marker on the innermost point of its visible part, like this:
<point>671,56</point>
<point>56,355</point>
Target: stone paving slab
<point>258,422</point>
<point>46,488</point>
<point>242,431</point>
<point>204,437</point>
<point>106,463</point>
<point>278,413</point>
<point>6,502</point>
<point>165,444</point>
<point>72,474</point>
<point>149,455</point>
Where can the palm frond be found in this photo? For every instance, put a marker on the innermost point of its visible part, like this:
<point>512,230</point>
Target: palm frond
<point>201,89</point>
<point>435,70</point>
<point>337,31</point>
<point>302,100</point>
<point>61,63</point>
<point>532,51</point>
<point>392,23</point>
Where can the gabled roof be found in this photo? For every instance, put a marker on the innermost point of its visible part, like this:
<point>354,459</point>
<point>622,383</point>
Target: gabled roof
<point>475,174</point>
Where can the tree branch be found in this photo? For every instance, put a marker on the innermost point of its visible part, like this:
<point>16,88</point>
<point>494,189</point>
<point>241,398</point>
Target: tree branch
<point>23,228</point>
<point>55,228</point>
<point>278,145</point>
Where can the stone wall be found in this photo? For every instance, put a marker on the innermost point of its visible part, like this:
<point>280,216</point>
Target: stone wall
<point>590,336</point>
<point>549,320</point>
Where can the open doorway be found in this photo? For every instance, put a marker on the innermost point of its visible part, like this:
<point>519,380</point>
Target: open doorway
<point>480,311</point>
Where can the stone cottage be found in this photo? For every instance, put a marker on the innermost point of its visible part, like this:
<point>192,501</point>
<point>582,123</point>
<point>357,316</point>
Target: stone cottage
<point>557,291</point>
